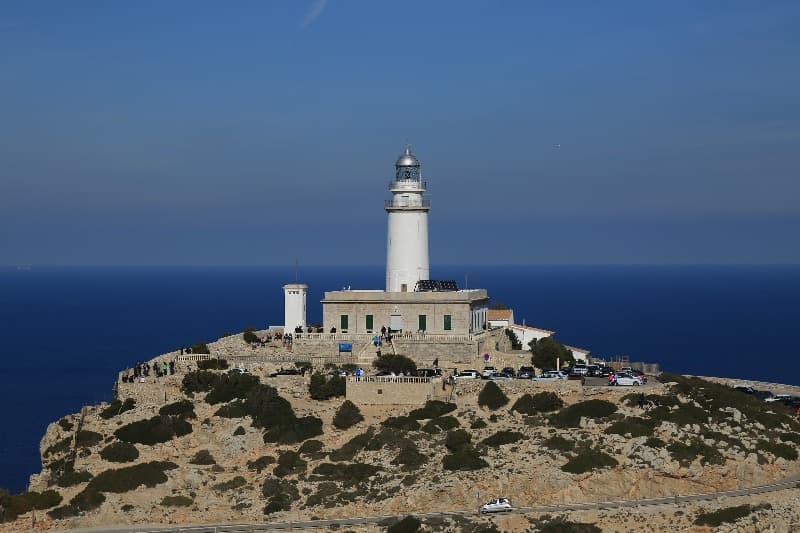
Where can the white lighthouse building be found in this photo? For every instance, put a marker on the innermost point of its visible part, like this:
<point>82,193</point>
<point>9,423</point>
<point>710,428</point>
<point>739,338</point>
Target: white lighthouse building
<point>294,306</point>
<point>407,235</point>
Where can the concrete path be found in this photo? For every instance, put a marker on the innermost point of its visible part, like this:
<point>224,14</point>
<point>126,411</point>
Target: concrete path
<point>789,483</point>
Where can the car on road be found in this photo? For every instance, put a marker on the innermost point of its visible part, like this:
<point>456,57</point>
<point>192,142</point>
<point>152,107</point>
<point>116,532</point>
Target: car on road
<point>551,375</point>
<point>468,374</point>
<point>497,505</point>
<point>488,371</point>
<point>525,372</point>
<point>625,379</point>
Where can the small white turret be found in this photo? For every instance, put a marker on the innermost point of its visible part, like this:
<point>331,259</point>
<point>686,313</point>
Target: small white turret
<point>294,309</point>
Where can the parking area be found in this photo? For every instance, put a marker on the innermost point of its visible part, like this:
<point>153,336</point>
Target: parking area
<point>603,382</point>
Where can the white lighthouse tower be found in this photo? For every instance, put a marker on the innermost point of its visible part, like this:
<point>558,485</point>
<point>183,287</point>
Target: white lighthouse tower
<point>294,306</point>
<point>407,236</point>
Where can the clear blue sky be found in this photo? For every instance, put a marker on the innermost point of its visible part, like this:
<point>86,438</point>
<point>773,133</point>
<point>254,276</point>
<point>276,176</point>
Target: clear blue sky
<point>189,132</point>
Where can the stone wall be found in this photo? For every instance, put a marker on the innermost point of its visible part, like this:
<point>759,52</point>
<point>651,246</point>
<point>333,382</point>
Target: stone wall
<point>391,391</point>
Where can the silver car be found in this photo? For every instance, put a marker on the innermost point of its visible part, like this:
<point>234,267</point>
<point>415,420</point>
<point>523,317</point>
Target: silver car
<point>497,505</point>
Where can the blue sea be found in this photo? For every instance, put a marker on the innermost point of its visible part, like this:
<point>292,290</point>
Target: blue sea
<point>67,331</point>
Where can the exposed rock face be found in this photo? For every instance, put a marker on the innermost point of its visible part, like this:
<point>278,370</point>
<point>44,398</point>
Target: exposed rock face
<point>246,475</point>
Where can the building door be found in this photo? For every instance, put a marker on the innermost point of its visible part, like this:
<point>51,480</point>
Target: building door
<point>423,322</point>
<point>397,323</point>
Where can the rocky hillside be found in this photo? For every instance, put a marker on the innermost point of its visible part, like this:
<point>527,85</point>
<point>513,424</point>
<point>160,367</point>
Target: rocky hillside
<point>233,447</point>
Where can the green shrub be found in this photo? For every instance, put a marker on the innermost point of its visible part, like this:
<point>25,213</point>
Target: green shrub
<point>778,449</point>
<point>58,447</point>
<point>131,477</point>
<point>654,442</point>
<point>274,413</point>
<point>225,334</point>
<point>289,463</point>
<point>790,437</point>
<point>722,516</point>
<point>298,430</point>
<point>637,427</point>
<point>65,424</point>
<point>570,417</point>
<point>201,348</point>
<point>87,500</point>
<point>408,524</point>
<point>227,387</point>
<point>503,437</point>
<point>239,431</point>
<point>432,409</point>
<point>120,452</point>
<point>182,408</point>
<point>562,525</point>
<point>547,351</point>
<point>588,459</point>
<point>154,430</point>
<point>86,438</point>
<point>310,447</point>
<point>457,439</point>
<point>261,463</point>
<point>492,396</point>
<point>347,416</point>
<point>19,504</point>
<point>234,409</point>
<point>249,336</point>
<point>464,458</point>
<point>280,494</point>
<point>326,387</point>
<point>203,457</point>
<point>346,474</point>
<point>478,423</point>
<point>199,381</point>
<point>541,402</point>
<point>69,477</point>
<point>117,408</point>
<point>401,422</point>
<point>409,457</point>
<point>399,364</point>
<point>559,443</point>
<point>686,453</point>
<point>176,501</point>
<point>349,449</point>
<point>440,424</point>
<point>231,484</point>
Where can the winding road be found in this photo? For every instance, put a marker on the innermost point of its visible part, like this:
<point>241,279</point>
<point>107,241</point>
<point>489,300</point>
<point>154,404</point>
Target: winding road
<point>789,483</point>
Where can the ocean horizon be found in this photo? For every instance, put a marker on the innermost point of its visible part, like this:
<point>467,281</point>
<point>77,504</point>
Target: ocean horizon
<point>68,330</point>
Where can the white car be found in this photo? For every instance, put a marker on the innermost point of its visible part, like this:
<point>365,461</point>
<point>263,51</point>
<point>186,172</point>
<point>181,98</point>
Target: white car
<point>468,374</point>
<point>551,375</point>
<point>497,505</point>
<point>488,371</point>
<point>778,398</point>
<point>621,378</point>
<point>499,376</point>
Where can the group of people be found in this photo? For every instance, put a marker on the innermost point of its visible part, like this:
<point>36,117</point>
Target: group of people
<point>140,371</point>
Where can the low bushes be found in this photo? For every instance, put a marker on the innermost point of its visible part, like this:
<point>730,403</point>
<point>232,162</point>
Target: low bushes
<point>67,476</point>
<point>201,348</point>
<point>347,474</point>
<point>261,463</point>
<point>559,443</point>
<point>86,438</point>
<point>289,463</point>
<point>182,408</point>
<point>726,515</point>
<point>432,409</point>
<point>58,447</point>
<point>347,416</point>
<point>231,484</point>
<point>462,455</point>
<point>129,478</point>
<point>234,409</point>
<point>492,397</point>
<point>502,437</point>
<point>199,381</point>
<point>120,452</point>
<point>227,387</point>
<point>409,457</point>
<point>203,457</point>
<point>176,501</point>
<point>350,448</point>
<point>280,493</point>
<point>239,431</point>
<point>18,504</point>
<point>409,524</point>
<point>326,387</point>
<point>570,417</point>
<point>685,454</point>
<point>311,448</point>
<point>249,336</point>
<point>117,408</point>
<point>86,500</point>
<point>401,422</point>
<point>635,426</point>
<point>275,414</point>
<point>65,424</point>
<point>588,459</point>
<point>399,364</point>
<point>154,430</point>
<point>778,449</point>
<point>541,402</point>
<point>440,424</point>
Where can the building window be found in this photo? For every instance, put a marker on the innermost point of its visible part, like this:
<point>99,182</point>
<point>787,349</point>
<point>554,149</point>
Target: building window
<point>423,322</point>
<point>343,323</point>
<point>403,287</point>
<point>448,322</point>
<point>369,323</point>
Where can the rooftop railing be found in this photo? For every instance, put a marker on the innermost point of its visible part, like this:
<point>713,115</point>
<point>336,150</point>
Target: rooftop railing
<point>401,203</point>
<point>408,184</point>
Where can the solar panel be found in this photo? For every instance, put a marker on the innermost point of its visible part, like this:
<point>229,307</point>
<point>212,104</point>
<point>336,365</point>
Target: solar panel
<point>430,285</point>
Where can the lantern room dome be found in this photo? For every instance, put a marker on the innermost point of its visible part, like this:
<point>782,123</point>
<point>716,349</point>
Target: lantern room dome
<point>407,159</point>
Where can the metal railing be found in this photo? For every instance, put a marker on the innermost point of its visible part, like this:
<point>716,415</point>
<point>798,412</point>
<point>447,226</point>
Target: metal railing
<point>391,203</point>
<point>389,379</point>
<point>408,185</point>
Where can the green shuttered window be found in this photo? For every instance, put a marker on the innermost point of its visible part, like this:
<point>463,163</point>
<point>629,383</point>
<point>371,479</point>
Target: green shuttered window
<point>423,322</point>
<point>369,322</point>
<point>344,320</point>
<point>448,322</point>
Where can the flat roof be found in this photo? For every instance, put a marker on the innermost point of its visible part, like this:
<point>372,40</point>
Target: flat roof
<point>464,296</point>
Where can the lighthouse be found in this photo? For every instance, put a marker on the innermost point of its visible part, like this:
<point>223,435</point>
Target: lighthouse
<point>407,235</point>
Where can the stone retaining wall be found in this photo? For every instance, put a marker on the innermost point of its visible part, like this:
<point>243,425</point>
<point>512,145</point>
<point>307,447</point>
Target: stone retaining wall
<point>392,391</point>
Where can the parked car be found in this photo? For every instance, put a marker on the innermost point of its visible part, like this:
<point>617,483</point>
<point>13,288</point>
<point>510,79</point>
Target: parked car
<point>238,370</point>
<point>285,372</point>
<point>625,379</point>
<point>468,374</point>
<point>497,505</point>
<point>509,370</point>
<point>496,376</point>
<point>639,374</point>
<point>778,398</point>
<point>429,372</point>
<point>335,372</point>
<point>600,371</point>
<point>551,375</point>
<point>526,372</point>
<point>579,369</point>
<point>762,394</point>
<point>488,371</point>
